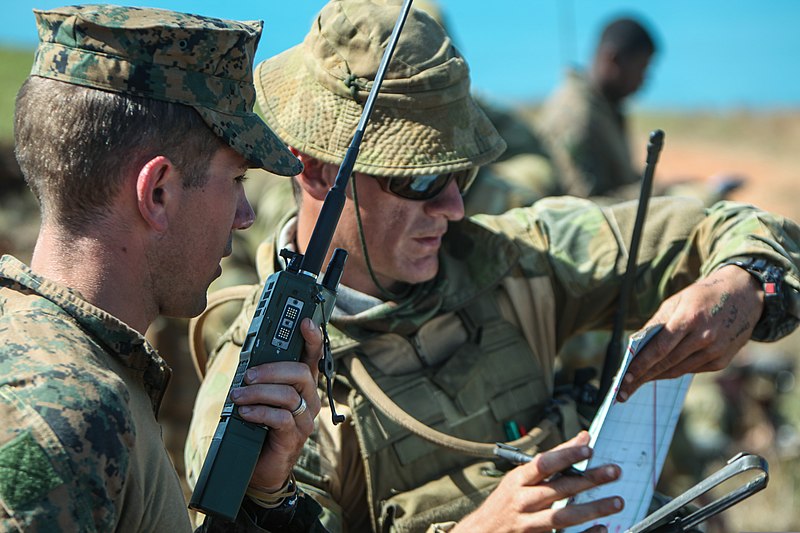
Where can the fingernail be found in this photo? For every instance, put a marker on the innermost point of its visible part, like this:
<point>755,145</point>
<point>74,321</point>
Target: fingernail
<point>618,503</point>
<point>610,472</point>
<point>236,393</point>
<point>622,396</point>
<point>250,375</point>
<point>245,410</point>
<point>627,379</point>
<point>585,452</point>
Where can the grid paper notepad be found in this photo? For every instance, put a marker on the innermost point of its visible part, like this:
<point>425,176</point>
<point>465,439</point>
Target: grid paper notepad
<point>635,435</point>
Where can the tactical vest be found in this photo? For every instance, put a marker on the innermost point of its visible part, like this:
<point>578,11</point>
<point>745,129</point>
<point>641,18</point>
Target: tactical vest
<point>482,377</point>
<point>469,373</point>
<point>479,374</point>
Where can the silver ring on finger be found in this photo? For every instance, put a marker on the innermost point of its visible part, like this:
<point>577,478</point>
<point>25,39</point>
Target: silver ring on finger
<point>300,409</point>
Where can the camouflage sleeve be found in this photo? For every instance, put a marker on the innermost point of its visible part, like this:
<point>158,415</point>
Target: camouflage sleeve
<point>331,470</point>
<point>59,471</point>
<point>585,251</point>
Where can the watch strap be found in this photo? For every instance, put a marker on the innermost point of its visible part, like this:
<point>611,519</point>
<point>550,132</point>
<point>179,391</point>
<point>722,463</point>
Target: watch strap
<point>774,322</point>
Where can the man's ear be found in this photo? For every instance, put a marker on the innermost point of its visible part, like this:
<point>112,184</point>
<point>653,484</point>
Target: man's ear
<point>156,188</point>
<point>317,177</point>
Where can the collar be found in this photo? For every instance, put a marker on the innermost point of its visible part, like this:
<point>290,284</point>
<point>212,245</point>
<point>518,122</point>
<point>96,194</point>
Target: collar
<point>580,81</point>
<point>464,274</point>
<point>126,345</point>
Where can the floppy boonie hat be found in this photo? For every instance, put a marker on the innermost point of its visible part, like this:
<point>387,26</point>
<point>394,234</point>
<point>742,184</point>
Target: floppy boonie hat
<point>424,120</point>
<point>201,62</point>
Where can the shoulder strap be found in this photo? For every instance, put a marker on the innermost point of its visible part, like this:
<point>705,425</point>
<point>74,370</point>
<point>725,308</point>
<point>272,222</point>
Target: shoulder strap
<point>196,345</point>
<point>389,408</point>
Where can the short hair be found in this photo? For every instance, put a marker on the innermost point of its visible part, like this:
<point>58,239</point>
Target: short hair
<point>627,36</point>
<point>75,145</point>
<point>297,192</point>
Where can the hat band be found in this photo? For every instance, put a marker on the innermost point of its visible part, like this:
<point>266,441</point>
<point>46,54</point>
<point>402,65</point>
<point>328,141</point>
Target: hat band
<point>161,82</point>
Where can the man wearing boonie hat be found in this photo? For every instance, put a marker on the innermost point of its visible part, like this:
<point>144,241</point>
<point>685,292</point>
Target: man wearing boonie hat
<point>134,130</point>
<point>445,330</point>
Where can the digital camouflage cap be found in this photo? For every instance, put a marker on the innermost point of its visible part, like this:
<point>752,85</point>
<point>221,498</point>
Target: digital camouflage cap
<point>202,62</point>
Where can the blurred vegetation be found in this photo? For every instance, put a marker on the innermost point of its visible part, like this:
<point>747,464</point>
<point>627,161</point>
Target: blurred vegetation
<point>761,146</point>
<point>15,64</point>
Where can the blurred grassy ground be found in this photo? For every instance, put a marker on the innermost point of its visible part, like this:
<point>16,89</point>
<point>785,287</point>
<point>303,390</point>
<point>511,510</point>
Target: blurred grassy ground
<point>761,146</point>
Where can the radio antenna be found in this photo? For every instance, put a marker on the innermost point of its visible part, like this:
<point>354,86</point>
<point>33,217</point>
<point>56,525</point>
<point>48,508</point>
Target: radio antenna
<point>614,350</point>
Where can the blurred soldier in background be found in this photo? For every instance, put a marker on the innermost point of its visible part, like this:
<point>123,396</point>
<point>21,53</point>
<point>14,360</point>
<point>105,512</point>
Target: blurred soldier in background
<point>584,126</point>
<point>584,122</point>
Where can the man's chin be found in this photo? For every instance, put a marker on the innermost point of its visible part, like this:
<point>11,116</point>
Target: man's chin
<point>423,270</point>
<point>188,310</point>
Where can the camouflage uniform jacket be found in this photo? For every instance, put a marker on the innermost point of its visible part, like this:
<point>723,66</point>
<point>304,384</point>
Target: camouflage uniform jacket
<point>587,137</point>
<point>553,269</point>
<point>80,446</point>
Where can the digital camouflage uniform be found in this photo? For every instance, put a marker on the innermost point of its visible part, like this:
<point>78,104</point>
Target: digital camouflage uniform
<point>80,447</point>
<point>474,349</point>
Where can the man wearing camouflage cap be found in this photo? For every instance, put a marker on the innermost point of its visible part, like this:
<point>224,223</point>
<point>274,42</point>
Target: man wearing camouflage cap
<point>446,329</point>
<point>134,131</point>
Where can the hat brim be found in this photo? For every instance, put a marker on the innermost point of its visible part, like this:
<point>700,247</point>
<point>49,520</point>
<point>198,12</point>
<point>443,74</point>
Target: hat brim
<point>253,139</point>
<point>398,141</point>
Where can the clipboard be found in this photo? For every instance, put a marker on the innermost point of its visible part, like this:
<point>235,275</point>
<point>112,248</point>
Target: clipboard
<point>636,435</point>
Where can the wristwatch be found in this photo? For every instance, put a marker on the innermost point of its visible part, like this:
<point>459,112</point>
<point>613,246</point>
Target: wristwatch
<point>775,322</point>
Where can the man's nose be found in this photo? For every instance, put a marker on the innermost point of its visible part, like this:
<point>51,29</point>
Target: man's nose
<point>447,203</point>
<point>245,216</point>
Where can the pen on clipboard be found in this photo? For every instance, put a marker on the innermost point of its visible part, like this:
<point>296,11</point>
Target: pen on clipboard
<point>518,457</point>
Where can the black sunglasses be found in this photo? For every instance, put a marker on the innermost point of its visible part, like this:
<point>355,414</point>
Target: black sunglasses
<point>427,187</point>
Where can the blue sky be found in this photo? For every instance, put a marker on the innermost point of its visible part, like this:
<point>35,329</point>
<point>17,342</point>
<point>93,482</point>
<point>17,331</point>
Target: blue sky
<point>718,54</point>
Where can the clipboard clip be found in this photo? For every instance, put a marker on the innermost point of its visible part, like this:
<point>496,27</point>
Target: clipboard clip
<point>674,516</point>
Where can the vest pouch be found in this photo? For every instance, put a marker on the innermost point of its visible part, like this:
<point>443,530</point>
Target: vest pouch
<point>495,374</point>
<point>489,378</point>
<point>378,434</point>
<point>448,498</point>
